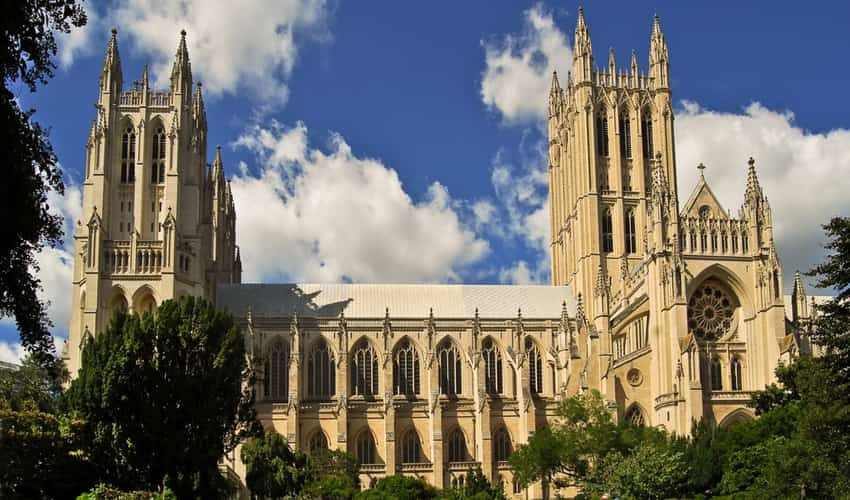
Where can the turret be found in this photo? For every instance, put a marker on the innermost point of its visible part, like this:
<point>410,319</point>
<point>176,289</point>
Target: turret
<point>110,77</point>
<point>555,104</point>
<point>799,303</point>
<point>582,51</point>
<point>634,67</point>
<point>659,58</point>
<point>181,71</point>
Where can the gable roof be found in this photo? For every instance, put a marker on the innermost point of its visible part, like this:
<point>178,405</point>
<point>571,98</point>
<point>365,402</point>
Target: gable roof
<point>702,195</point>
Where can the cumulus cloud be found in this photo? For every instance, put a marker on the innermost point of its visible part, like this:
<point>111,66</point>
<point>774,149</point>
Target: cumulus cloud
<point>804,174</point>
<point>311,215</point>
<point>251,45</point>
<point>79,42</point>
<point>11,352</point>
<point>518,67</point>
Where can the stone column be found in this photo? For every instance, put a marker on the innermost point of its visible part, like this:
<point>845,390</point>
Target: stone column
<point>389,434</point>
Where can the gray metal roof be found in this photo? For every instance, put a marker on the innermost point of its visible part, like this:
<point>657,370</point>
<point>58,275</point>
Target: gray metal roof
<point>402,300</point>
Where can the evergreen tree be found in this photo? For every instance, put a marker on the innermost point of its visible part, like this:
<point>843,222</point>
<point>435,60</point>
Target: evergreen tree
<point>274,470</point>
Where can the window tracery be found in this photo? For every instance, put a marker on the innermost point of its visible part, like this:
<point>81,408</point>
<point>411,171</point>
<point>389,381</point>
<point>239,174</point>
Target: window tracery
<point>502,446</point>
<point>735,375</point>
<point>411,448</point>
<point>716,374</point>
<point>634,416</point>
<point>321,371</point>
<point>364,370</point>
<point>710,312</point>
<point>449,357</point>
<point>276,384</point>
<point>492,367</point>
<point>535,367</point>
<point>457,446</point>
<point>365,448</point>
<point>318,441</point>
<point>406,369</point>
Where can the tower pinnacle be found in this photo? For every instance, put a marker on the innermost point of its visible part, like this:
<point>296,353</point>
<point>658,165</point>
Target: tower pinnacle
<point>110,77</point>
<point>582,50</point>
<point>753,192</point>
<point>181,71</point>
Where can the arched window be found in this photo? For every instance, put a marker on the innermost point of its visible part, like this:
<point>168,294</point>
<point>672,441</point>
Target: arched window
<point>607,230</point>
<point>735,373</point>
<point>411,448</point>
<point>602,133</point>
<point>318,441</point>
<point>406,369</point>
<point>634,416</point>
<point>119,303</point>
<point>734,242</point>
<point>276,385</point>
<point>492,367</point>
<point>321,371</point>
<point>450,369</point>
<point>457,446</point>
<point>745,243</point>
<point>693,241</point>
<point>716,375</point>
<point>646,134</point>
<point>502,446</point>
<point>703,241</point>
<point>713,241</point>
<point>128,155</point>
<point>710,312</point>
<point>364,370</point>
<point>158,157</point>
<point>365,448</point>
<point>631,231</point>
<point>625,136</point>
<point>724,242</point>
<point>535,367</point>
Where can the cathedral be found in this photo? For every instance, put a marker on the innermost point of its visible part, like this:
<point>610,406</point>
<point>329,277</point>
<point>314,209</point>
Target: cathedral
<point>672,312</point>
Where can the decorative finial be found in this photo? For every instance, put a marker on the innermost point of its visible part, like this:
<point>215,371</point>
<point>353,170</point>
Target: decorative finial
<point>701,169</point>
<point>114,32</point>
<point>183,33</point>
<point>751,162</point>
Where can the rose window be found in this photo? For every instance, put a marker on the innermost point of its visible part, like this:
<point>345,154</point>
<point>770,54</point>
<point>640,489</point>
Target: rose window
<point>710,313</point>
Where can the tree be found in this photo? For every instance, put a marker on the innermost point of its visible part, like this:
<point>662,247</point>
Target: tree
<point>274,470</point>
<point>398,486</point>
<point>650,471</point>
<point>476,486</point>
<point>31,169</point>
<point>31,387</point>
<point>164,397</point>
<point>336,475</point>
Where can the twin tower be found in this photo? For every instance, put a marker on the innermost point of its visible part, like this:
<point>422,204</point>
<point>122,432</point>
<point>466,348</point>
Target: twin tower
<point>158,221</point>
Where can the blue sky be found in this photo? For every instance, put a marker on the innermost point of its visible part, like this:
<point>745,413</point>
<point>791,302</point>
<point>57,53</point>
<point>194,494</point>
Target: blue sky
<point>402,141</point>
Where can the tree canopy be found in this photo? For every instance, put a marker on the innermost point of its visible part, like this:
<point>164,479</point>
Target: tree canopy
<point>164,397</point>
<point>31,168</point>
<point>273,470</point>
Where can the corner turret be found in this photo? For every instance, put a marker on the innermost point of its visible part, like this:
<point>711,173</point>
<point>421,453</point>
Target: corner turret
<point>659,58</point>
<point>111,79</point>
<point>582,51</point>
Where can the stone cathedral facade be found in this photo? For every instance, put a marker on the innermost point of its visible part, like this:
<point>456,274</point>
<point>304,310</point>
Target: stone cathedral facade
<point>673,313</point>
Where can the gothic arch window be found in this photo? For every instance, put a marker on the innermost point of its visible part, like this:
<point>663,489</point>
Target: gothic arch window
<point>703,241</point>
<point>128,155</point>
<point>693,241</point>
<point>535,366</point>
<point>457,446</point>
<point>634,416</point>
<point>411,448</point>
<point>502,446</point>
<point>406,369</point>
<point>735,374</point>
<point>724,242</point>
<point>158,157</point>
<point>602,133</point>
<point>449,357</point>
<point>704,212</point>
<point>321,371</point>
<point>276,385</point>
<point>744,242</point>
<point>734,242</point>
<point>631,231</point>
<point>713,241</point>
<point>317,441</point>
<point>607,230</point>
<point>716,374</point>
<point>711,312</point>
<point>365,448</point>
<point>364,370</point>
<point>625,136</point>
<point>119,303</point>
<point>492,367</point>
<point>646,134</point>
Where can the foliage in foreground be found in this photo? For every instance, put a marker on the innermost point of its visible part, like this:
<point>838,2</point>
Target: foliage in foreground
<point>162,397</point>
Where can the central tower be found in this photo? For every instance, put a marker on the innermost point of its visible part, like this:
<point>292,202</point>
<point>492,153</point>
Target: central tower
<point>610,139</point>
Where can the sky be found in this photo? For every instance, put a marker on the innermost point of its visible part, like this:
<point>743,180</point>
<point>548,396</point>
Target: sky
<point>405,141</point>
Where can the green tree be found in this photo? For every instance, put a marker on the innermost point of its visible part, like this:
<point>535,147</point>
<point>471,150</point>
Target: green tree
<point>476,486</point>
<point>31,387</point>
<point>335,475</point>
<point>398,486</point>
<point>164,397</point>
<point>30,166</point>
<point>274,470</point>
<point>649,471</point>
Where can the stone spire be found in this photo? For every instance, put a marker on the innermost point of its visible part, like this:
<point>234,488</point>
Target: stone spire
<point>634,64</point>
<point>198,110</point>
<point>659,57</point>
<point>612,67</point>
<point>181,71</point>
<point>555,95</point>
<point>145,83</point>
<point>753,194</point>
<point>110,77</point>
<point>582,51</point>
<point>218,165</point>
<point>799,303</point>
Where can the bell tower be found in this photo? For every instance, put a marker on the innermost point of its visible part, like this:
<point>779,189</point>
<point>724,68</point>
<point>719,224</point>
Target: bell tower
<point>610,139</point>
<point>158,223</point>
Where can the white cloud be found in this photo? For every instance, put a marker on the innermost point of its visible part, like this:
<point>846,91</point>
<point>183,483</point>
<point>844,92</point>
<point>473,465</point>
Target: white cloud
<point>803,174</point>
<point>330,216</point>
<point>79,41</point>
<point>11,352</point>
<point>250,45</point>
<point>519,67</point>
<point>520,274</point>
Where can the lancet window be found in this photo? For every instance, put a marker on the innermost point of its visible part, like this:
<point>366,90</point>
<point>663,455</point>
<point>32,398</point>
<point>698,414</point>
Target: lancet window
<point>602,134</point>
<point>406,369</point>
<point>411,448</point>
<point>646,133</point>
<point>492,367</point>
<point>625,136</point>
<point>450,369</point>
<point>736,372</point>
<point>321,371</point>
<point>365,448</point>
<point>716,375</point>
<point>364,370</point>
<point>158,157</point>
<point>457,446</point>
<point>318,441</point>
<point>634,416</point>
<point>128,156</point>
<point>502,447</point>
<point>276,385</point>
<point>607,230</point>
<point>631,231</point>
<point>535,367</point>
